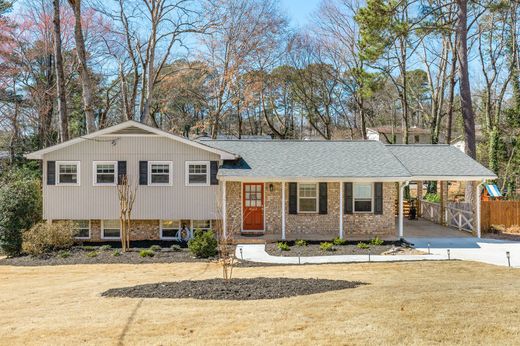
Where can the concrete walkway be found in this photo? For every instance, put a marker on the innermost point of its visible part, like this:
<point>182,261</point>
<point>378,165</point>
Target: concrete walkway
<point>257,253</point>
<point>489,251</point>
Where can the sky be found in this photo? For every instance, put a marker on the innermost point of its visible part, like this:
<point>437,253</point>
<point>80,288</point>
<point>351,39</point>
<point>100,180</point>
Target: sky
<point>299,10</point>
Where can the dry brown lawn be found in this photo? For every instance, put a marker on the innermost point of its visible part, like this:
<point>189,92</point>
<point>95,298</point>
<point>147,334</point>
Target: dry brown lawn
<point>403,303</point>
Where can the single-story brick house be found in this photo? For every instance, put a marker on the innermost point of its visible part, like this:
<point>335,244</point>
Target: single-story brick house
<point>271,189</point>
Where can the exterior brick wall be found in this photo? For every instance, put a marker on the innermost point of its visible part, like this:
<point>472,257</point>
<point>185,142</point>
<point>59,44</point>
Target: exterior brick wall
<point>313,225</point>
<point>370,224</point>
<point>140,230</point>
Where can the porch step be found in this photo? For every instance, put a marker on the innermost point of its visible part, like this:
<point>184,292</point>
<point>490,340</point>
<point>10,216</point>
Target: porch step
<point>248,239</point>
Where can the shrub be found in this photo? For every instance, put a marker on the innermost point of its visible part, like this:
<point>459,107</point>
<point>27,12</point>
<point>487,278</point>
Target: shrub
<point>339,241</point>
<point>326,246</point>
<point>89,248</point>
<point>301,242</point>
<point>283,246</point>
<point>44,237</point>
<point>376,241</point>
<point>105,247</point>
<point>20,208</point>
<point>155,248</point>
<point>175,248</point>
<point>92,254</point>
<point>146,253</point>
<point>116,253</point>
<point>432,197</point>
<point>203,244</point>
<point>64,254</point>
<point>362,245</point>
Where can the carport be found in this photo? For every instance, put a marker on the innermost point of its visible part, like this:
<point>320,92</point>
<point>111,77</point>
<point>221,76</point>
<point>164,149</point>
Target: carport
<point>441,163</point>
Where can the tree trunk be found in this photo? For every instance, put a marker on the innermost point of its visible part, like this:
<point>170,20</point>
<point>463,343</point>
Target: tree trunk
<point>84,74</point>
<point>451,95</point>
<point>465,91</point>
<point>60,75</point>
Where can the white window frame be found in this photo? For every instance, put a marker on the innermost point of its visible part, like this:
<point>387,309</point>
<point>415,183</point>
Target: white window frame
<point>170,173</point>
<point>103,231</point>
<point>78,172</point>
<point>94,173</point>
<point>89,230</point>
<point>187,173</point>
<point>161,230</point>
<point>364,199</point>
<point>317,198</point>
<point>204,229</point>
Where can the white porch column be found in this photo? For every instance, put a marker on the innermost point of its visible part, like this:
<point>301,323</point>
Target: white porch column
<point>224,213</point>
<point>283,210</point>
<point>401,208</point>
<point>340,210</point>
<point>477,216</point>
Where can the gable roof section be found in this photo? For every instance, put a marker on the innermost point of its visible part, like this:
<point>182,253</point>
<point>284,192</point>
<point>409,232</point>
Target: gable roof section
<point>131,127</point>
<point>300,160</point>
<point>353,160</point>
<point>439,161</point>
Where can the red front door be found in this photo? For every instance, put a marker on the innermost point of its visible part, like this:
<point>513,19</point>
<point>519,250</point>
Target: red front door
<point>253,202</point>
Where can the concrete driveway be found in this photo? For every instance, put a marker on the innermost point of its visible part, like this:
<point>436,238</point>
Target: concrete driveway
<point>490,251</point>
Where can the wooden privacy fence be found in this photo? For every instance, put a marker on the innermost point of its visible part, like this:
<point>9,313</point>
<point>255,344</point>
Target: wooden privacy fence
<point>505,213</point>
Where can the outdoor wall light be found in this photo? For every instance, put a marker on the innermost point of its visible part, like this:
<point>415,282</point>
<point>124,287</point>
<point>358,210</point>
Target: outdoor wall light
<point>271,187</point>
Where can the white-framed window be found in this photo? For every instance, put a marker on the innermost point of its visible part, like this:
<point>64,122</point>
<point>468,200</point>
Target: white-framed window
<point>197,173</point>
<point>203,225</point>
<point>67,173</point>
<point>160,173</point>
<point>110,229</point>
<point>169,229</point>
<point>307,198</point>
<point>363,197</point>
<point>81,229</point>
<point>105,173</point>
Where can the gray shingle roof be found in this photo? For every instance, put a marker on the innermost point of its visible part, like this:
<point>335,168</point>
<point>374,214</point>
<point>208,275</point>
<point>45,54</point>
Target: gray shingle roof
<point>310,159</point>
<point>345,159</point>
<point>438,160</point>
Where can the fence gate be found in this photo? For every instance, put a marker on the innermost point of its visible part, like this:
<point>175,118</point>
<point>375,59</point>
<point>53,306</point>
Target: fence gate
<point>456,215</point>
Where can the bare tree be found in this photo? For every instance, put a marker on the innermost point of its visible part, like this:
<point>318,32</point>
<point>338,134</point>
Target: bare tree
<point>60,75</point>
<point>126,194</point>
<point>84,73</point>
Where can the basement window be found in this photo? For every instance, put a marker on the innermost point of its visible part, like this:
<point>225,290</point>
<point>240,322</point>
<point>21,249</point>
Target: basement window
<point>110,229</point>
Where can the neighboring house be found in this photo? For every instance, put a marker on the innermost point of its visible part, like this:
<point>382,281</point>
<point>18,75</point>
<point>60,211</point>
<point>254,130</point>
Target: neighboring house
<point>385,134</point>
<point>271,189</point>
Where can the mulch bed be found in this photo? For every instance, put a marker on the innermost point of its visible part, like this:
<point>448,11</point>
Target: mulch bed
<point>78,255</point>
<point>314,250</point>
<point>234,289</point>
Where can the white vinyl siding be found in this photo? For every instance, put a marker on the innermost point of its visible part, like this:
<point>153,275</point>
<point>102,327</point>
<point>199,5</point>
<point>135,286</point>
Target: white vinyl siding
<point>105,173</point>
<point>178,202</point>
<point>68,173</point>
<point>308,198</point>
<point>110,229</point>
<point>197,173</point>
<point>363,197</point>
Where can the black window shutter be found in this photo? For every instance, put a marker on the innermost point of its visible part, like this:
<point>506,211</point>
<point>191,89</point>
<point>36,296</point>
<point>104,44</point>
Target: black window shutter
<point>378,198</point>
<point>323,198</point>
<point>293,198</point>
<point>349,198</point>
<point>213,172</point>
<point>143,172</point>
<point>121,171</point>
<point>51,172</point>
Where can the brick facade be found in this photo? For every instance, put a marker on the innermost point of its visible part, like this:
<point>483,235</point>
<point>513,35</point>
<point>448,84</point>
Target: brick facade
<point>140,230</point>
<point>313,225</point>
